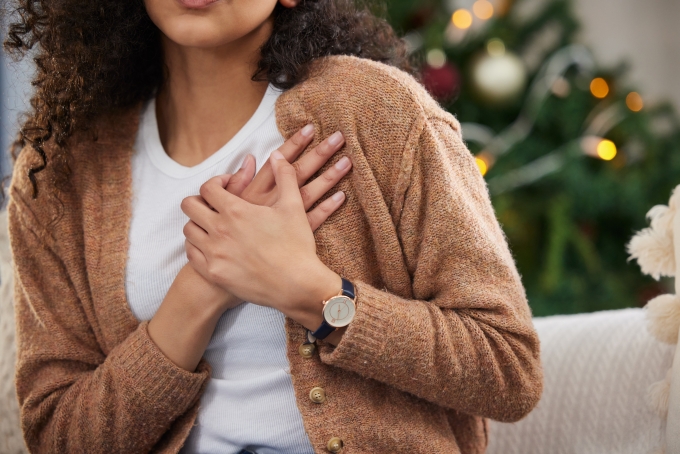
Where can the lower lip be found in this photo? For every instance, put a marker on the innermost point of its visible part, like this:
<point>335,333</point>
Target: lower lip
<point>196,4</point>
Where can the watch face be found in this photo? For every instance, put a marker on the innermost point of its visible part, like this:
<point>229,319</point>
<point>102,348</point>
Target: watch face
<point>339,311</point>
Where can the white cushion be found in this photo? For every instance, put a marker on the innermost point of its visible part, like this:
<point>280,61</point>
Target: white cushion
<point>11,440</point>
<point>598,368</point>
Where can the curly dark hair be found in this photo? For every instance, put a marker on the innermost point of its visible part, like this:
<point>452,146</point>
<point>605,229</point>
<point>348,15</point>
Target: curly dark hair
<point>99,57</point>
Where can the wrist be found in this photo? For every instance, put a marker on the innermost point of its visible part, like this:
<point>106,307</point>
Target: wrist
<point>212,298</point>
<point>320,285</point>
<point>186,319</point>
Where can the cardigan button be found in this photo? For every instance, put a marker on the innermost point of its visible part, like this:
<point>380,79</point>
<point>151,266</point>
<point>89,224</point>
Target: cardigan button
<point>334,444</point>
<point>317,395</point>
<point>307,350</point>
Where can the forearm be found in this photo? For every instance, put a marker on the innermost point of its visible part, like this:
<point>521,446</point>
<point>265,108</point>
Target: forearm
<point>76,392</point>
<point>186,320</point>
<point>433,352</point>
<point>77,400</point>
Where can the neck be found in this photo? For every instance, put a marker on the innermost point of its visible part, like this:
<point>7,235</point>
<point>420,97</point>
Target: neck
<point>208,95</point>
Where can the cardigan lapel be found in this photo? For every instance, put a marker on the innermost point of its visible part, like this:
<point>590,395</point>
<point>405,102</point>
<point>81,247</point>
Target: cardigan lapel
<point>109,237</point>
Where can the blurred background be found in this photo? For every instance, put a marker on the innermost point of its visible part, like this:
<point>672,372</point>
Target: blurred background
<point>570,108</point>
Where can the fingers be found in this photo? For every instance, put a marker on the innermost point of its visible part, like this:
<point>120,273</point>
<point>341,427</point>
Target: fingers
<point>291,149</point>
<point>198,211</point>
<point>241,179</point>
<point>286,180</point>
<point>215,194</point>
<point>196,258</point>
<point>313,191</point>
<point>224,202</point>
<point>195,235</point>
<point>318,215</point>
<point>225,178</point>
<point>311,162</point>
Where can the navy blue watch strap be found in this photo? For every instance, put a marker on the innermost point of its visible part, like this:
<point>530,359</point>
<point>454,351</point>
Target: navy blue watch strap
<point>347,288</point>
<point>325,329</point>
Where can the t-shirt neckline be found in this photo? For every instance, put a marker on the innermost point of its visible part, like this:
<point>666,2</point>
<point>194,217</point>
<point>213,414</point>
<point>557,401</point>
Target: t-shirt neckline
<point>154,148</point>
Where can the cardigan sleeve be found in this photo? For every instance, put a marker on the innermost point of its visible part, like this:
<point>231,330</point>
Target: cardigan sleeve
<point>466,342</point>
<point>73,397</point>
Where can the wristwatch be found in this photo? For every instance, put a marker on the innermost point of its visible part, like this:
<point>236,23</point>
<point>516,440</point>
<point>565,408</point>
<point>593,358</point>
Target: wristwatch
<point>337,312</point>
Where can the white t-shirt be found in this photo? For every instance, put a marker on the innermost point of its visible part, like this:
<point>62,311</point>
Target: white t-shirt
<point>249,401</point>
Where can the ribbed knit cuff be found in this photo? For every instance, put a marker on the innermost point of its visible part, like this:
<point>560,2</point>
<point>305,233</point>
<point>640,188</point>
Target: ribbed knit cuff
<point>151,375</point>
<point>364,340</point>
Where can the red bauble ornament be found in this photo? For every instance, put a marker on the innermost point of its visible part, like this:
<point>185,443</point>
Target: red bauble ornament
<point>420,18</point>
<point>443,83</point>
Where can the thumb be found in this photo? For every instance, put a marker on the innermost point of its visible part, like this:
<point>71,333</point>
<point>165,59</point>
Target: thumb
<point>224,179</point>
<point>241,179</point>
<point>286,178</point>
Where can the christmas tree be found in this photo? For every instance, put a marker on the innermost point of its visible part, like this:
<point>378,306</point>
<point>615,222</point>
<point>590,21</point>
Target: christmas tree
<point>573,157</point>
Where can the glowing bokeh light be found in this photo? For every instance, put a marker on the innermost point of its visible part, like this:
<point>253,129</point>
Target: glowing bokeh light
<point>483,9</point>
<point>483,168</point>
<point>436,58</point>
<point>606,150</point>
<point>462,19</point>
<point>634,101</point>
<point>495,47</point>
<point>599,87</point>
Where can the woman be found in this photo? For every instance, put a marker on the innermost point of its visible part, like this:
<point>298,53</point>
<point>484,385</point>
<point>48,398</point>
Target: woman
<point>400,325</point>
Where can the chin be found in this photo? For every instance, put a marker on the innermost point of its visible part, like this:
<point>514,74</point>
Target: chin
<point>199,32</point>
<point>215,24</point>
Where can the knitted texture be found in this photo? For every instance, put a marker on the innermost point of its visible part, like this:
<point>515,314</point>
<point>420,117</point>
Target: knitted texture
<point>442,337</point>
<point>598,369</point>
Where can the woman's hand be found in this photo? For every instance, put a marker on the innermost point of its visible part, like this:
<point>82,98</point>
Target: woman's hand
<point>263,254</point>
<point>261,190</point>
<point>186,319</point>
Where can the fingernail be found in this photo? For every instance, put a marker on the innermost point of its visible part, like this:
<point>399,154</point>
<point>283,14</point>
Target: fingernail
<point>307,130</point>
<point>335,139</point>
<point>342,164</point>
<point>277,155</point>
<point>338,196</point>
<point>245,161</point>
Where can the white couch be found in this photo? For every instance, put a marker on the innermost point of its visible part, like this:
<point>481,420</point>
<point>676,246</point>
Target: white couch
<point>598,371</point>
<point>11,441</point>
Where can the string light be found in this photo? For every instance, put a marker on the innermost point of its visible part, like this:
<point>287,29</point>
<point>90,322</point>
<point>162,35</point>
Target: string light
<point>597,147</point>
<point>593,144</point>
<point>606,150</point>
<point>634,101</point>
<point>484,161</point>
<point>599,87</point>
<point>462,19</point>
<point>483,9</point>
<point>561,87</point>
<point>483,168</point>
<point>495,47</point>
<point>436,58</point>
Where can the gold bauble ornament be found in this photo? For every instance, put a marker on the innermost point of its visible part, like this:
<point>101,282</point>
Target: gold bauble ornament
<point>498,76</point>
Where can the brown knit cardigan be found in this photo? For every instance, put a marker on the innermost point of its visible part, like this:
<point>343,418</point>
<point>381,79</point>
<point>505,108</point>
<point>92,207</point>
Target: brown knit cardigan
<point>442,338</point>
